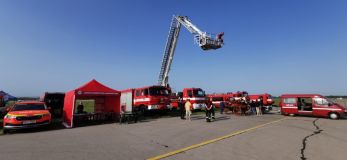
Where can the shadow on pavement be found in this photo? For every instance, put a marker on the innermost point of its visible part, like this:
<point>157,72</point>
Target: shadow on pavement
<point>222,118</point>
<point>55,125</point>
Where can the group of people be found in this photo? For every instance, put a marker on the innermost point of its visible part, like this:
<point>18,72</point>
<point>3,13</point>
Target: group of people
<point>256,106</point>
<point>186,110</point>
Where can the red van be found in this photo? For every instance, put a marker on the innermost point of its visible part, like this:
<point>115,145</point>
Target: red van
<point>310,105</point>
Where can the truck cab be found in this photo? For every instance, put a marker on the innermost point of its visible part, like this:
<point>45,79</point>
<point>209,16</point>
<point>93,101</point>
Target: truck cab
<point>310,105</point>
<point>146,98</point>
<point>267,101</point>
<point>196,96</point>
<point>216,99</point>
<point>267,98</point>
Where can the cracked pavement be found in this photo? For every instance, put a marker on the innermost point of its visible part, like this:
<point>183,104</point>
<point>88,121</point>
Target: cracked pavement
<point>282,140</point>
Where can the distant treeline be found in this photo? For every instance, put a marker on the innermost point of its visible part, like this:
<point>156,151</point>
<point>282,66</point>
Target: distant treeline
<point>28,98</point>
<point>336,96</point>
<point>325,96</point>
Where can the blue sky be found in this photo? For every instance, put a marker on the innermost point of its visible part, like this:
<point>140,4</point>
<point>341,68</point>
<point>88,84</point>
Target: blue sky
<point>273,46</point>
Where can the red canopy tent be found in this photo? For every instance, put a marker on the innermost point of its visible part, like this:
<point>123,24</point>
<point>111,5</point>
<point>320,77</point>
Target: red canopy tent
<point>106,100</point>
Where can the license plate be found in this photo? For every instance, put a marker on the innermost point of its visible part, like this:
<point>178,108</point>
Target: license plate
<point>29,122</point>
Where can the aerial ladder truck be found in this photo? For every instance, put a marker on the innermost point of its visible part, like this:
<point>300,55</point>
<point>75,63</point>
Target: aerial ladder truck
<point>203,39</point>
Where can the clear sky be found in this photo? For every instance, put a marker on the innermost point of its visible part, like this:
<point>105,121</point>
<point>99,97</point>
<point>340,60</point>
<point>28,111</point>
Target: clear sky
<point>274,46</point>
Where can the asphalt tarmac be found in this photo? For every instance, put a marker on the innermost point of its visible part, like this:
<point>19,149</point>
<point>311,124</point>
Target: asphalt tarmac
<point>271,136</point>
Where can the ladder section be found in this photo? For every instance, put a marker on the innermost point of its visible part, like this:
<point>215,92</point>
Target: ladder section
<point>169,52</point>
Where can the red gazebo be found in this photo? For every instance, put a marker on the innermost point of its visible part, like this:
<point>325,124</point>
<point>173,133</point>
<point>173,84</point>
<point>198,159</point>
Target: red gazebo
<point>107,100</point>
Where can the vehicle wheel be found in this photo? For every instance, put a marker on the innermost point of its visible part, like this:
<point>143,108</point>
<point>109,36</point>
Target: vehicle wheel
<point>5,131</point>
<point>143,110</point>
<point>333,115</point>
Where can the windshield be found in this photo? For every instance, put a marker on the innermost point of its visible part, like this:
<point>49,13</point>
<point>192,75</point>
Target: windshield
<point>322,101</point>
<point>198,93</point>
<point>158,91</point>
<point>23,107</point>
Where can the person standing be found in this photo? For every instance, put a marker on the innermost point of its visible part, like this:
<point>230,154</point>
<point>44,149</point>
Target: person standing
<point>181,107</point>
<point>208,109</point>
<point>212,110</point>
<point>256,104</point>
<point>303,104</point>
<point>222,106</point>
<point>253,107</point>
<point>261,105</point>
<point>188,107</point>
<point>80,108</point>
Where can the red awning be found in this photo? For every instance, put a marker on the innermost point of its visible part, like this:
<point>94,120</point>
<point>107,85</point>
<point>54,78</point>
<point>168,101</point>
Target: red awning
<point>90,90</point>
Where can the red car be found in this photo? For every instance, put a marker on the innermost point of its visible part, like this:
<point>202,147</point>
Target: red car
<point>27,114</point>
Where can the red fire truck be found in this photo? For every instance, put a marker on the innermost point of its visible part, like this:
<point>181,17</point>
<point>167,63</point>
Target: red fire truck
<point>174,98</point>
<point>146,98</point>
<point>228,98</point>
<point>239,95</point>
<point>267,100</point>
<point>217,98</point>
<point>196,96</point>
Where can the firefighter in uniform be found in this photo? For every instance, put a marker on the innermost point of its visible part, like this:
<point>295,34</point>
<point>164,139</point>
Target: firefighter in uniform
<point>209,111</point>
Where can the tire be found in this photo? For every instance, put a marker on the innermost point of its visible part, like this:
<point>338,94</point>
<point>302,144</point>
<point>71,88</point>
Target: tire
<point>4,131</point>
<point>142,109</point>
<point>334,115</point>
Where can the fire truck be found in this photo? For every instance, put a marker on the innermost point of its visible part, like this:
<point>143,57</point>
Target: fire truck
<point>158,97</point>
<point>267,101</point>
<point>145,98</point>
<point>217,98</point>
<point>196,96</point>
<point>239,95</point>
<point>175,98</point>
<point>205,41</point>
<point>228,98</point>
<point>267,98</point>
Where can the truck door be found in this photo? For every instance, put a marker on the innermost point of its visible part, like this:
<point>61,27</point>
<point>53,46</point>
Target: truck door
<point>305,105</point>
<point>289,105</point>
<point>320,106</point>
<point>190,93</point>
